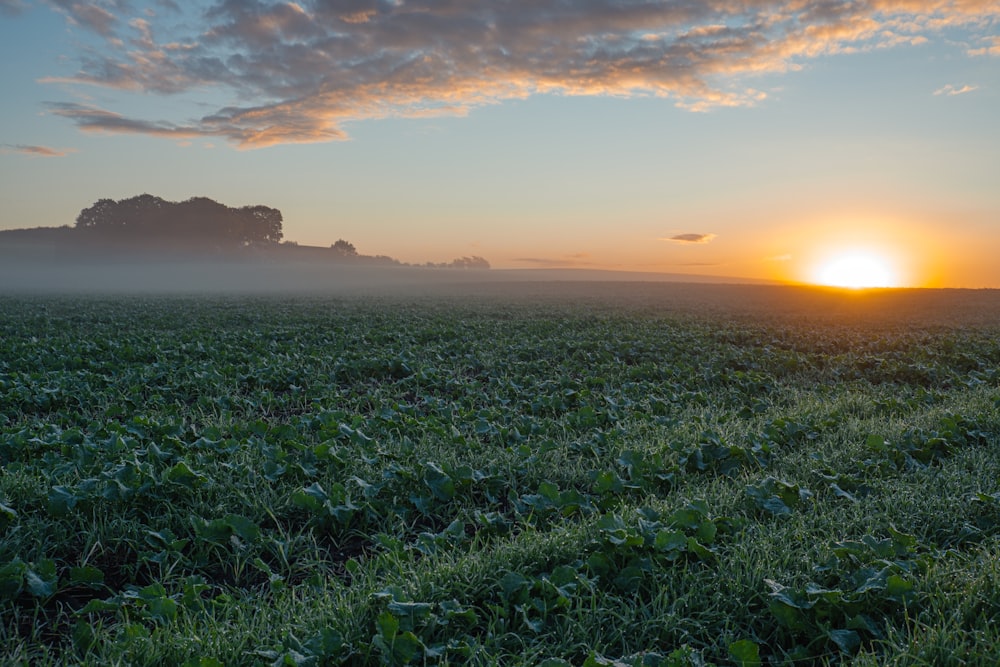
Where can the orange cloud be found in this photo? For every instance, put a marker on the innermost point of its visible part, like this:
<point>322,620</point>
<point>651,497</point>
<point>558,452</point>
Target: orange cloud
<point>690,238</point>
<point>951,90</point>
<point>36,151</point>
<point>992,48</point>
<point>298,72</point>
<point>575,260</point>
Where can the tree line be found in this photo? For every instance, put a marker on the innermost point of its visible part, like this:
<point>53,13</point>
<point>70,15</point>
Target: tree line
<point>346,249</point>
<point>202,223</point>
<point>196,221</point>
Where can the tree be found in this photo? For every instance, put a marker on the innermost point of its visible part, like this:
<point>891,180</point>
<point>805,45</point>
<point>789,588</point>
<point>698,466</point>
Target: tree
<point>261,224</point>
<point>344,248</point>
<point>198,221</point>
<point>474,262</point>
<point>101,214</point>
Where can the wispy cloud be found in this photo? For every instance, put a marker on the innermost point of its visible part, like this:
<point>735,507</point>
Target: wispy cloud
<point>955,90</point>
<point>568,261</point>
<point>98,17</point>
<point>991,47</point>
<point>12,7</point>
<point>298,72</point>
<point>36,151</point>
<point>690,238</point>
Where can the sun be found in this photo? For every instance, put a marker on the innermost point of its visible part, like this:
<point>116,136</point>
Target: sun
<point>856,270</point>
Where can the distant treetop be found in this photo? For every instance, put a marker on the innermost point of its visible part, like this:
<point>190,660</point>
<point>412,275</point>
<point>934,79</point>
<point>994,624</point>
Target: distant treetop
<point>345,248</point>
<point>197,221</point>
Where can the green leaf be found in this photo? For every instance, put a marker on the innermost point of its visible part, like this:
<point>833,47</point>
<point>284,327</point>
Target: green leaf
<point>549,491</point>
<point>61,501</point>
<point>608,482</point>
<point>312,498</point>
<point>707,531</point>
<point>41,579</point>
<point>84,637</point>
<point>789,596</point>
<point>455,530</point>
<point>776,506</point>
<point>790,617</point>
<point>438,481</point>
<point>903,543</point>
<point>86,575</point>
<point>699,549</point>
<point>162,609</point>
<point>12,579</point>
<point>848,641</point>
<point>244,527</point>
<point>326,645</point>
<point>7,514</point>
<point>898,589</point>
<point>216,530</point>
<point>876,443</point>
<point>746,653</point>
<point>388,625</point>
<point>95,606</point>
<point>690,517</point>
<point>182,474</point>
<point>410,612</point>
<point>831,595</point>
<point>840,493</point>
<point>512,584</point>
<point>615,531</point>
<point>629,578</point>
<point>670,540</point>
<point>202,661</point>
<point>453,611</point>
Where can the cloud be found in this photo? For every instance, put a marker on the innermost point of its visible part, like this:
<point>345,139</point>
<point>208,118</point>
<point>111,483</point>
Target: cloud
<point>12,7</point>
<point>36,151</point>
<point>98,17</point>
<point>568,261</point>
<point>301,71</point>
<point>91,118</point>
<point>951,90</point>
<point>690,238</point>
<point>992,47</point>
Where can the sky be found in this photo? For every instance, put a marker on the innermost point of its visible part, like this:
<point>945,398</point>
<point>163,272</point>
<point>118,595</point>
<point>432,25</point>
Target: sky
<point>802,141</point>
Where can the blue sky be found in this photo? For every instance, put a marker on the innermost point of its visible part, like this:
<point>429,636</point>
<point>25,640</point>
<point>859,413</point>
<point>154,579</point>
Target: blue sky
<point>747,139</point>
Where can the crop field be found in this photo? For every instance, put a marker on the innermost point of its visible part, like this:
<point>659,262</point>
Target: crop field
<point>594,475</point>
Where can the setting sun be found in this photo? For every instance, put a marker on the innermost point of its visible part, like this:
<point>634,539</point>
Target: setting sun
<point>856,270</point>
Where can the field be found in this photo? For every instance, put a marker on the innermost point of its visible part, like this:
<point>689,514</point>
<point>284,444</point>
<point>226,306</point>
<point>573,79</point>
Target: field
<point>576,475</point>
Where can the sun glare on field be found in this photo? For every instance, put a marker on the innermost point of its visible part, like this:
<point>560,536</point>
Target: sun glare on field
<point>856,270</point>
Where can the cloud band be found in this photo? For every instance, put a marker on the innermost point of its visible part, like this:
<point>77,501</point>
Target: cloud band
<point>298,72</point>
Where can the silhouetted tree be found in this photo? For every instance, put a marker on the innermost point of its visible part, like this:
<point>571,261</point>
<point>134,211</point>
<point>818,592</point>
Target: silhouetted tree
<point>345,248</point>
<point>474,262</point>
<point>197,221</point>
<point>104,213</point>
<point>261,224</point>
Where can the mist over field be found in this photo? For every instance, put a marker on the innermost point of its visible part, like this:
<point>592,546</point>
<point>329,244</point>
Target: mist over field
<point>219,276</point>
<point>269,278</point>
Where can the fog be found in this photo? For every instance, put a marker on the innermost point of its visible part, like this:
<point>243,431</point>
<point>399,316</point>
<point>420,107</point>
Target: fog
<point>195,275</point>
<point>605,290</point>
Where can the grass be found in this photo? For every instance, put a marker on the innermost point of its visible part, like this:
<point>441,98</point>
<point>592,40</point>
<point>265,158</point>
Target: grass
<point>212,480</point>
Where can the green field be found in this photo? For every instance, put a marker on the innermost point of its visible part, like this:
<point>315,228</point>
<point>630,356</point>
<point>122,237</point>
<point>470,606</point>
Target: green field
<point>585,475</point>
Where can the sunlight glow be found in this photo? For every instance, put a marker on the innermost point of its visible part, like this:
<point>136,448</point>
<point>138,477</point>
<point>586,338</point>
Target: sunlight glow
<point>856,270</point>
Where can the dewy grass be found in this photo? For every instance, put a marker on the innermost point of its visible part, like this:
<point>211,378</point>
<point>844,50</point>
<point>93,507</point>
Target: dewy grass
<point>308,481</point>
